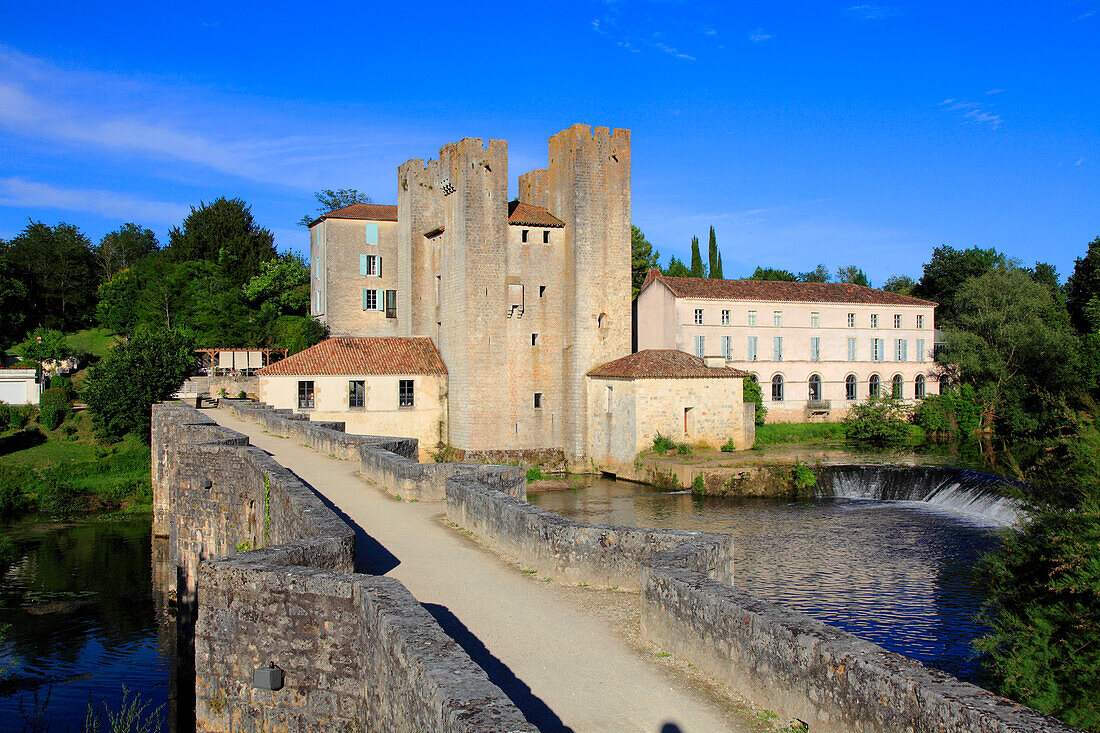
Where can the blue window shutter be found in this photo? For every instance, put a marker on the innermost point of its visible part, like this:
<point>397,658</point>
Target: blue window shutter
<point>362,264</point>
<point>379,265</point>
<point>372,233</point>
<point>364,298</point>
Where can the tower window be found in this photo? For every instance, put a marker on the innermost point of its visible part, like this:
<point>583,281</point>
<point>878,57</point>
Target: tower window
<point>546,236</point>
<point>534,339</point>
<point>523,236</point>
<point>538,400</point>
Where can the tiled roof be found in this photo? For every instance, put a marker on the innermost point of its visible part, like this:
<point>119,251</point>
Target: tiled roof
<point>370,212</point>
<point>774,290</point>
<point>530,215</point>
<point>362,355</point>
<point>662,363</point>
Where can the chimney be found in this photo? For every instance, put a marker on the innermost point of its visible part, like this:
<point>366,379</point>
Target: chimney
<point>715,362</point>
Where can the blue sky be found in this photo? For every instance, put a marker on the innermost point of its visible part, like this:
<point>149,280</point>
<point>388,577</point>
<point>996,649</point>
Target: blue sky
<point>816,132</point>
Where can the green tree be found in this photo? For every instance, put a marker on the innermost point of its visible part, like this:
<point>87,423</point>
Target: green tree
<point>1083,288</point>
<point>223,232</point>
<point>948,269</point>
<point>643,258</point>
<point>879,420</point>
<point>900,284</point>
<point>676,268</point>
<point>715,256</point>
<point>58,269</point>
<point>13,301</point>
<point>123,386</point>
<point>331,200</point>
<point>770,273</point>
<point>754,394</point>
<point>1013,343</point>
<point>283,284</point>
<point>697,267</point>
<point>120,249</point>
<point>295,333</point>
<point>852,275</point>
<point>819,274</point>
<point>43,344</point>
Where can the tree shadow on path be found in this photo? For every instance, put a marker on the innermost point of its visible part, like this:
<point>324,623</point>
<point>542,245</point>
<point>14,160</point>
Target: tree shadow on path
<point>534,709</point>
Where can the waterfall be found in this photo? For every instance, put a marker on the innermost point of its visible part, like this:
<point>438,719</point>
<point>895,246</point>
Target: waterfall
<point>957,489</point>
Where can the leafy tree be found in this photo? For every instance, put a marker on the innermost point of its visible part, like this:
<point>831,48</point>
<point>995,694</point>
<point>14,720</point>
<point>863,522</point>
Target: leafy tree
<point>223,232</point>
<point>900,284</point>
<point>13,302</point>
<point>123,386</point>
<point>296,333</point>
<point>676,268</point>
<point>1083,288</point>
<point>880,420</point>
<point>52,346</point>
<point>948,269</point>
<point>697,267</point>
<point>58,269</point>
<point>1011,341</point>
<point>330,200</point>
<point>819,274</point>
<point>754,394</point>
<point>954,411</point>
<point>283,284</point>
<point>771,273</point>
<point>643,258</point>
<point>715,270</point>
<point>852,275</point>
<point>120,249</point>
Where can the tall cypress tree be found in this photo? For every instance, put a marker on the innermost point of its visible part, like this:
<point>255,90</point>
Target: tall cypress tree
<point>697,269</point>
<point>715,257</point>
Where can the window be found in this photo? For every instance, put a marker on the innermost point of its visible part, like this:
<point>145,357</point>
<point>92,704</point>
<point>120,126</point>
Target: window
<point>546,236</point>
<point>777,388</point>
<point>897,320</point>
<point>534,339</point>
<point>372,299</point>
<point>698,316</point>
<point>918,387</point>
<point>921,356</point>
<point>777,348</point>
<point>850,387</point>
<point>876,350</point>
<point>700,346</point>
<point>815,387</point>
<point>901,350</point>
<point>725,318</point>
<point>815,320</point>
<point>357,393</point>
<point>896,385</point>
<point>851,320</point>
<point>305,395</point>
<point>405,397</point>
<point>610,396</point>
<point>727,347</point>
<point>370,265</point>
<point>538,400</point>
<point>851,349</point>
<point>920,321</point>
<point>874,320</point>
<point>752,318</point>
<point>752,355</point>
<point>542,290</point>
<point>777,318</point>
<point>873,385</point>
<point>523,236</point>
<point>391,304</point>
<point>815,348</point>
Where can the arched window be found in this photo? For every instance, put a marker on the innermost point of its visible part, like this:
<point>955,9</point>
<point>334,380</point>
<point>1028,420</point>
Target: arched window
<point>850,387</point>
<point>815,387</point>
<point>754,377</point>
<point>918,387</point>
<point>896,386</point>
<point>874,384</point>
<point>777,388</point>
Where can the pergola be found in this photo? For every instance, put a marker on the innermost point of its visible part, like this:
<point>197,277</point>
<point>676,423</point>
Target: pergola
<point>229,361</point>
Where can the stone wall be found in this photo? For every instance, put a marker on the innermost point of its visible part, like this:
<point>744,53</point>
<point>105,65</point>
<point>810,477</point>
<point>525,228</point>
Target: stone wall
<point>358,651</point>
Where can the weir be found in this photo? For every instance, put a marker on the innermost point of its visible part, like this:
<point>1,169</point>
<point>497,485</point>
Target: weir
<point>958,489</point>
<point>384,659</point>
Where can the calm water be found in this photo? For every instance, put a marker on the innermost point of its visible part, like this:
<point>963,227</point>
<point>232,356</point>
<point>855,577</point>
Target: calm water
<point>78,621</point>
<point>899,574</point>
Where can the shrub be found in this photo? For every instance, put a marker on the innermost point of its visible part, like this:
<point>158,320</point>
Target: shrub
<point>698,486</point>
<point>662,443</point>
<point>534,474</point>
<point>21,415</point>
<point>683,449</point>
<point>241,395</point>
<point>5,416</point>
<point>57,496</point>
<point>53,407</point>
<point>957,410</point>
<point>728,446</point>
<point>753,393</point>
<point>880,420</point>
<point>13,500</point>
<point>802,477</point>
<point>63,383</point>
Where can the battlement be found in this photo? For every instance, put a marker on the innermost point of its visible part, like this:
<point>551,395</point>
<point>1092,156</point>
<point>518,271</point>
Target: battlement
<point>534,187</point>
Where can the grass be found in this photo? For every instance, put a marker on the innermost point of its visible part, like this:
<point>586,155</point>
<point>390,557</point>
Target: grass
<point>94,341</point>
<point>807,432</point>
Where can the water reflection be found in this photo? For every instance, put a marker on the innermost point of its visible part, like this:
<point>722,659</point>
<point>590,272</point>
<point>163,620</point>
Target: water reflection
<point>78,620</point>
<point>899,574</point>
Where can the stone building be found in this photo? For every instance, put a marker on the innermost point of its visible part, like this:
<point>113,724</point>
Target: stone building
<point>815,348</point>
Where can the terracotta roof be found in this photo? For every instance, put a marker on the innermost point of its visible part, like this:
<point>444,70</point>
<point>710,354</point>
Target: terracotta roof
<point>530,215</point>
<point>705,288</point>
<point>371,212</point>
<point>362,355</point>
<point>662,363</point>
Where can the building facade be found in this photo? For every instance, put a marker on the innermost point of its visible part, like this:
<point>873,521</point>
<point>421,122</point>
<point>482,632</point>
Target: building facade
<point>815,348</point>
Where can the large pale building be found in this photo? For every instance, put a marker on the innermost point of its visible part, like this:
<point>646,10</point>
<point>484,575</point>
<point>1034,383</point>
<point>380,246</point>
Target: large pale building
<point>815,348</point>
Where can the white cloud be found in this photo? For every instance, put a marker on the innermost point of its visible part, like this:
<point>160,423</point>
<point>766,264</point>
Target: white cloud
<point>972,112</point>
<point>17,192</point>
<point>759,35</point>
<point>1079,162</point>
<point>1086,14</point>
<point>870,11</point>
<point>994,91</point>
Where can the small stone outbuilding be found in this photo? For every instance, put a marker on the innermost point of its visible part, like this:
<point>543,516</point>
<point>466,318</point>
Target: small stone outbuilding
<point>682,396</point>
<point>18,386</point>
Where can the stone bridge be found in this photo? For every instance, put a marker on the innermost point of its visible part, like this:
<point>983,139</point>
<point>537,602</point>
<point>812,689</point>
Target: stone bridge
<point>332,556</point>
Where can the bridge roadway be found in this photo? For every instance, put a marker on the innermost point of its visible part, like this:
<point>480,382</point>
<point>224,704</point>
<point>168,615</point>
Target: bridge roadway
<point>564,664</point>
